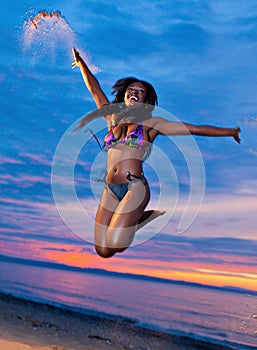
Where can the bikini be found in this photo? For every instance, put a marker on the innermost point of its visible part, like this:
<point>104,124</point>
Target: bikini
<point>134,139</point>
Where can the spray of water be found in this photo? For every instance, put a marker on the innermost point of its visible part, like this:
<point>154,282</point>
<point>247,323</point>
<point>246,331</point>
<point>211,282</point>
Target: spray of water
<point>48,34</point>
<point>249,126</point>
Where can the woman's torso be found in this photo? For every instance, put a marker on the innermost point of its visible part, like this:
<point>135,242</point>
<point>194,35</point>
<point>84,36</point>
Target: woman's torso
<point>128,145</point>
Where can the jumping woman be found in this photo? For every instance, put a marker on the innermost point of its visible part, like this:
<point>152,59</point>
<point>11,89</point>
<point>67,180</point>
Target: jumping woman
<point>131,132</point>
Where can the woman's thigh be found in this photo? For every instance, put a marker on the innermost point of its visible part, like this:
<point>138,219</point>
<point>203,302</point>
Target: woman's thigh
<point>124,221</point>
<point>107,206</point>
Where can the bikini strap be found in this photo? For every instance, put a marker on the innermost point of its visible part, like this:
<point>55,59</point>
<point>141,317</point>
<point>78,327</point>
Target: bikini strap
<point>129,175</point>
<point>102,176</point>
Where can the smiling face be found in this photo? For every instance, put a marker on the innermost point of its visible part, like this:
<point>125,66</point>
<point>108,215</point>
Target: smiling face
<point>135,93</point>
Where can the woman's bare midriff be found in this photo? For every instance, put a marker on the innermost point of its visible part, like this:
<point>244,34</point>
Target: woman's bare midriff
<point>122,159</point>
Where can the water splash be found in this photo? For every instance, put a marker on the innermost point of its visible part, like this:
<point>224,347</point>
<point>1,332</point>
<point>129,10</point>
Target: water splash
<point>48,34</point>
<point>248,126</point>
<point>252,121</point>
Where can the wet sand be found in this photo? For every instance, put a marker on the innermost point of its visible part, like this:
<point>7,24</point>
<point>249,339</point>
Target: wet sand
<point>27,325</point>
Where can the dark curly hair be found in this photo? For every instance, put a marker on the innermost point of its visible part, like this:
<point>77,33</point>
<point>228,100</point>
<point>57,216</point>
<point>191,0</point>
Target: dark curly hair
<point>118,107</point>
<point>120,87</point>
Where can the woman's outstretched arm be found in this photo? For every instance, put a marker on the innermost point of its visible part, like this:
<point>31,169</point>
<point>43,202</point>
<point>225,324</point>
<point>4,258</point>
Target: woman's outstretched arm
<point>90,80</point>
<point>165,127</point>
<point>208,130</point>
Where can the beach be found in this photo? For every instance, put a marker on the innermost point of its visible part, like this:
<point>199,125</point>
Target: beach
<point>27,325</point>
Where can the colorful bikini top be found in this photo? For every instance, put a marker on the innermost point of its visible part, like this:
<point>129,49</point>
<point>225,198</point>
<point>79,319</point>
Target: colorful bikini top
<point>134,138</point>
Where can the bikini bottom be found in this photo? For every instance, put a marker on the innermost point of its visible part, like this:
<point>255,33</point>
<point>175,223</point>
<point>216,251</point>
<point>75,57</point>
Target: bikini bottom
<point>120,190</point>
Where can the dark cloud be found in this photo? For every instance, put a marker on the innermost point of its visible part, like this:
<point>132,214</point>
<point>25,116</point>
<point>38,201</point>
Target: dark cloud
<point>215,249</point>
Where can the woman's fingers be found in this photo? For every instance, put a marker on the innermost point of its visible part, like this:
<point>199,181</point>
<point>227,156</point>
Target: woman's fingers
<point>76,58</point>
<point>74,64</point>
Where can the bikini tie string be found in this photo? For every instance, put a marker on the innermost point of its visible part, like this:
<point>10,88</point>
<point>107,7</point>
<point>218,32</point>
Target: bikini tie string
<point>129,175</point>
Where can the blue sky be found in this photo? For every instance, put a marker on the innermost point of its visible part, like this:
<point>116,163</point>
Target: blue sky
<point>201,58</point>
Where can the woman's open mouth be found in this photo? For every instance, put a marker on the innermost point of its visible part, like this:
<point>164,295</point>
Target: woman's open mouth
<point>133,98</point>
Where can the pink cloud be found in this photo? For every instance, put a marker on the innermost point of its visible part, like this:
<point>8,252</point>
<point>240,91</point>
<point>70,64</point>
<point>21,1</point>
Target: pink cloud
<point>23,180</point>
<point>36,158</point>
<point>8,160</point>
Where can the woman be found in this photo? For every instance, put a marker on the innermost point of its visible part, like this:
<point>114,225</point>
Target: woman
<point>131,132</point>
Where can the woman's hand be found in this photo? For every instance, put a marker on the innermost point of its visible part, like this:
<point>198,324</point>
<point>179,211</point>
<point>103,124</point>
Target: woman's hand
<point>236,134</point>
<point>77,58</point>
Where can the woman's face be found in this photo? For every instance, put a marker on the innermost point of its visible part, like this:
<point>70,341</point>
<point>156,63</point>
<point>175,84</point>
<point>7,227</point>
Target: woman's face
<point>135,93</point>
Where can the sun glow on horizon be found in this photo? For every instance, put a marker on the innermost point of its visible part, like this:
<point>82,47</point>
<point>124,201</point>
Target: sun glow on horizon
<point>191,273</point>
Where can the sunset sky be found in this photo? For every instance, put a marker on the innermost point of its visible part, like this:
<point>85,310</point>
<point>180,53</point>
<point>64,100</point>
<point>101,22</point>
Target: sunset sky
<point>201,58</point>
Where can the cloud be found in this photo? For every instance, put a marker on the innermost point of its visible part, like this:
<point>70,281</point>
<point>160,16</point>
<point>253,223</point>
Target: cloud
<point>226,12</point>
<point>9,160</point>
<point>219,215</point>
<point>252,121</point>
<point>247,188</point>
<point>221,256</point>
<point>23,180</point>
<point>34,230</point>
<point>34,158</point>
<point>252,151</point>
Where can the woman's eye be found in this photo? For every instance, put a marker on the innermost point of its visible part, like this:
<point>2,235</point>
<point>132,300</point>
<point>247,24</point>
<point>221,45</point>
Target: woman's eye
<point>140,91</point>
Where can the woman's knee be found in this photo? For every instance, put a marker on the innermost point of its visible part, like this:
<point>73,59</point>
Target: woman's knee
<point>105,252</point>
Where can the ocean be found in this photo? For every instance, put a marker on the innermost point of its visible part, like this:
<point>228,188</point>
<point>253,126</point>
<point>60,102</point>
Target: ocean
<point>212,314</point>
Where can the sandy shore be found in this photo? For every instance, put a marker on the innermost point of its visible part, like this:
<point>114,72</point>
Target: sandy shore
<point>27,325</point>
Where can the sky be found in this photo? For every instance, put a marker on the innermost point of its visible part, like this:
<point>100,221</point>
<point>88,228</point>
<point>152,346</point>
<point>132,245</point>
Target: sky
<point>201,58</point>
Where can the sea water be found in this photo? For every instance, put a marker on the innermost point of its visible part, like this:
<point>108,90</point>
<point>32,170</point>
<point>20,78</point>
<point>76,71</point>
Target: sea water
<point>215,315</point>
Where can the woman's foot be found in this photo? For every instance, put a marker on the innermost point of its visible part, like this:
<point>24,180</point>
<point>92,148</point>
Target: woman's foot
<point>149,216</point>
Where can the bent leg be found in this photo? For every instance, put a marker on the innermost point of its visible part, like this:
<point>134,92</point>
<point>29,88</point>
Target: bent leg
<point>124,221</point>
<point>106,209</point>
<point>117,221</point>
